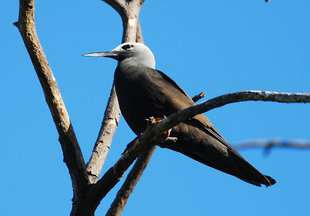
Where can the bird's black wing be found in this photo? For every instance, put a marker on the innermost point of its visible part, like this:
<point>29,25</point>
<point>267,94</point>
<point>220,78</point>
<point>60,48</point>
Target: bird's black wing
<point>217,153</point>
<point>205,123</point>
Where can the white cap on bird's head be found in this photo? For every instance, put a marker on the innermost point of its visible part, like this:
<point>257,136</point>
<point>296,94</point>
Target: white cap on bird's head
<point>131,52</point>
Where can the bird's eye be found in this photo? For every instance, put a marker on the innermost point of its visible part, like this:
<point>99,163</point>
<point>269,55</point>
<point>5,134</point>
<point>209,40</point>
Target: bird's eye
<point>127,47</point>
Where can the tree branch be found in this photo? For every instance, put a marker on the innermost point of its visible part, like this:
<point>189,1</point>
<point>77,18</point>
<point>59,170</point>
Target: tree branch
<point>130,183</point>
<point>222,100</point>
<point>118,5</point>
<point>114,174</point>
<point>268,145</point>
<point>198,97</point>
<point>140,144</point>
<point>71,149</point>
<point>129,12</point>
<point>112,113</point>
<point>104,140</point>
<point>139,37</point>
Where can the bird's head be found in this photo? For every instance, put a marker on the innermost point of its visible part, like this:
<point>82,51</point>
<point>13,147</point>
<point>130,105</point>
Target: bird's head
<point>132,52</point>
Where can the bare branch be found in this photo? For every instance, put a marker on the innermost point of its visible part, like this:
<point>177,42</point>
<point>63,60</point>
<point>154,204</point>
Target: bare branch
<point>136,1</point>
<point>140,144</point>
<point>198,97</point>
<point>98,191</point>
<point>132,31</point>
<point>131,21</point>
<point>222,100</point>
<point>130,183</point>
<point>104,140</point>
<point>118,5</point>
<point>139,37</point>
<point>112,113</point>
<point>71,149</point>
<point>268,145</point>
<point>114,174</point>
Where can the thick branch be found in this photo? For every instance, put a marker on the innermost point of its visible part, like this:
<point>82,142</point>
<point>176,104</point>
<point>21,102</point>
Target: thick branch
<point>71,150</point>
<point>114,174</point>
<point>129,12</point>
<point>118,5</point>
<point>139,37</point>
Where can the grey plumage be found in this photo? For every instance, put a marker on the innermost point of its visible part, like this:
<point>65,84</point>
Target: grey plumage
<point>144,91</point>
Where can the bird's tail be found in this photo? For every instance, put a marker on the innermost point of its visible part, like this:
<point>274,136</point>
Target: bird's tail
<point>197,144</point>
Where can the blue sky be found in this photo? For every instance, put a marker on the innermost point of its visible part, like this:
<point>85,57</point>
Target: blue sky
<point>212,46</point>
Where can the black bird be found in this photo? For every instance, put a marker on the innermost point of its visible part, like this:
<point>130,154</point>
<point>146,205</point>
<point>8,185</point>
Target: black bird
<point>143,92</point>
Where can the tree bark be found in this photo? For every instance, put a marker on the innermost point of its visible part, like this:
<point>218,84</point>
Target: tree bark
<point>104,140</point>
<point>130,183</point>
<point>71,149</point>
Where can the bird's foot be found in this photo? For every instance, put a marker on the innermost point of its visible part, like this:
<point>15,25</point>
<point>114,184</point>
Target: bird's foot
<point>171,139</point>
<point>154,120</point>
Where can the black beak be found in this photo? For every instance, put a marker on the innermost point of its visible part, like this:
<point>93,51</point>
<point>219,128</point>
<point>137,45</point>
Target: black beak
<point>111,54</point>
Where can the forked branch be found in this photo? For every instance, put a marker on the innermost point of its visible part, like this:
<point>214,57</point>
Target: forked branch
<point>140,144</point>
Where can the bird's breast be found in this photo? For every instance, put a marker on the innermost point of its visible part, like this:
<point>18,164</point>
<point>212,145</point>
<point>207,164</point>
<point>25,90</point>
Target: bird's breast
<point>139,97</point>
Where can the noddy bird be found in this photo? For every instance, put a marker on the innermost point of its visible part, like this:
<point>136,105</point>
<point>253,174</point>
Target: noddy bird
<point>145,92</point>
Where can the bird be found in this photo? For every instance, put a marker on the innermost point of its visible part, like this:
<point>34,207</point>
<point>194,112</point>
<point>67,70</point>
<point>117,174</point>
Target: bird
<point>145,92</point>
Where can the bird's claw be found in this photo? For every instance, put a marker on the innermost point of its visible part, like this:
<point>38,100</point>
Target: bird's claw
<point>171,139</point>
<point>153,120</point>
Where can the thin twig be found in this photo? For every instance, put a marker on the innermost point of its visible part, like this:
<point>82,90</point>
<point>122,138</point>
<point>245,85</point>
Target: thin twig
<point>198,97</point>
<point>71,149</point>
<point>268,145</point>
